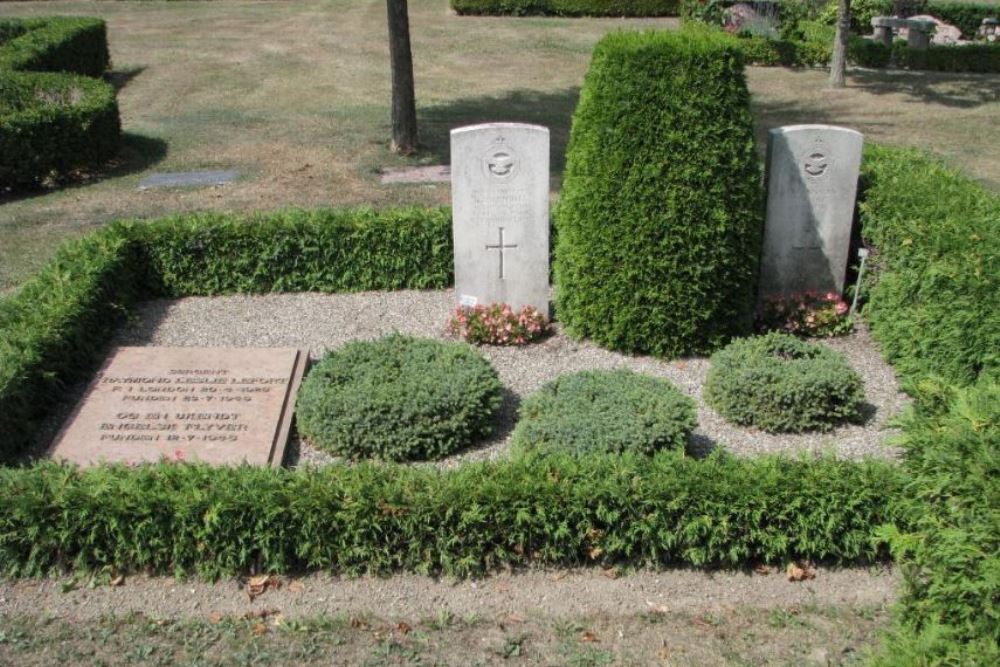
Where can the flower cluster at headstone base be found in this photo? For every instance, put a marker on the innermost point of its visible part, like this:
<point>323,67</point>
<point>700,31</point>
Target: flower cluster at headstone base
<point>497,324</point>
<point>808,313</point>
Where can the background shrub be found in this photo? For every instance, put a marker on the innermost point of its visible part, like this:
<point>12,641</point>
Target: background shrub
<point>559,511</point>
<point>53,123</point>
<point>967,16</point>
<point>605,412</point>
<point>399,399</point>
<point>779,383</point>
<point>660,221</point>
<point>932,290</point>
<point>568,7</point>
<point>55,44</point>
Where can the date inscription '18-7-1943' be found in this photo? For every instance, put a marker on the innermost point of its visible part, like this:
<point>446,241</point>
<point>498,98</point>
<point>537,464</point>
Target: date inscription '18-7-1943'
<point>223,406</point>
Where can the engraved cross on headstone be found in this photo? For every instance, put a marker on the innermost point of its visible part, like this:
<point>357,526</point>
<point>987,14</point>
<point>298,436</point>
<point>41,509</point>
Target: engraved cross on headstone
<point>501,247</point>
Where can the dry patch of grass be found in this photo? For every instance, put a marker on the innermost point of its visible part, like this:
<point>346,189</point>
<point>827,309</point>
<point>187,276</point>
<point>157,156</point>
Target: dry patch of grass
<point>295,96</point>
<point>732,637</point>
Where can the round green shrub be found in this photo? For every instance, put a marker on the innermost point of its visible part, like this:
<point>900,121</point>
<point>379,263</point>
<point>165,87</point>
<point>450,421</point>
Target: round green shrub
<point>52,123</point>
<point>658,229</point>
<point>779,383</point>
<point>605,411</point>
<point>399,398</point>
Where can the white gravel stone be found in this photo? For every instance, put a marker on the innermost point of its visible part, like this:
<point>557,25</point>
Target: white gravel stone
<point>321,322</point>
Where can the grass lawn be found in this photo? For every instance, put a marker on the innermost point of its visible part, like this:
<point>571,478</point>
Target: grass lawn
<point>295,95</point>
<point>809,635</point>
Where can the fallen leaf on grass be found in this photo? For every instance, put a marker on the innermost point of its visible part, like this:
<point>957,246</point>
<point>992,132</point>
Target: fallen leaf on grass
<point>358,624</point>
<point>257,586</point>
<point>611,573</point>
<point>656,608</point>
<point>588,637</point>
<point>215,618</point>
<point>260,614</point>
<point>118,581</point>
<point>763,569</point>
<point>296,587</point>
<point>404,627</point>
<point>259,629</point>
<point>797,572</point>
<point>558,576</point>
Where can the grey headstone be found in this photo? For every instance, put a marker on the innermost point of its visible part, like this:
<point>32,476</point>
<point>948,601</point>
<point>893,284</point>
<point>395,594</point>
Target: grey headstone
<point>500,209</point>
<point>186,179</point>
<point>812,180</point>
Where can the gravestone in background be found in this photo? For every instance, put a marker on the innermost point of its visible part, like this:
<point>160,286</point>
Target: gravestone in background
<point>221,406</point>
<point>500,209</point>
<point>812,180</point>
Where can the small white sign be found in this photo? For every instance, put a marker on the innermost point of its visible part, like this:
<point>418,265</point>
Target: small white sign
<point>469,301</point>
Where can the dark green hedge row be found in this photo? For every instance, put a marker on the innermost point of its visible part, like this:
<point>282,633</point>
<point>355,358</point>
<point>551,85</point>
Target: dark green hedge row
<point>966,16</point>
<point>979,58</point>
<point>932,303</point>
<point>53,329</point>
<point>567,7</point>
<point>667,509</point>
<point>54,123</point>
<point>659,225</point>
<point>949,613</point>
<point>57,44</point>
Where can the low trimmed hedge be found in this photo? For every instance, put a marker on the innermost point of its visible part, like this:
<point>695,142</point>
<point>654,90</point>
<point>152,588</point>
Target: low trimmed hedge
<point>399,399</point>
<point>567,7</point>
<point>601,412</point>
<point>560,511</point>
<point>935,272</point>
<point>949,613</point>
<point>53,329</point>
<point>52,123</point>
<point>660,222</point>
<point>57,44</point>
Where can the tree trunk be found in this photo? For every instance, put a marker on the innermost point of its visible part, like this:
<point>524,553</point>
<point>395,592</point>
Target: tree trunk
<point>404,106</point>
<point>838,63</point>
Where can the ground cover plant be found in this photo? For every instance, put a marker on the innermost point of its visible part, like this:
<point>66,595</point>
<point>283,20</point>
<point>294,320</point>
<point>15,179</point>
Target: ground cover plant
<point>659,223</point>
<point>605,412</point>
<point>807,314</point>
<point>399,399</point>
<point>779,383</point>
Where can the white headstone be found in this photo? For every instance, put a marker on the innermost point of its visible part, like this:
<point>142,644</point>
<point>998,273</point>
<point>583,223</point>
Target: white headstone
<point>812,180</point>
<point>500,211</point>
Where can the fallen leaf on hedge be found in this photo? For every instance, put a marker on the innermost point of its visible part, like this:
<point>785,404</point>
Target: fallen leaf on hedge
<point>588,637</point>
<point>259,629</point>
<point>595,552</point>
<point>798,572</point>
<point>404,627</point>
<point>215,618</point>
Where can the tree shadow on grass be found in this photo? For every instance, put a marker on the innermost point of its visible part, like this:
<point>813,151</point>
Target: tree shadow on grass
<point>136,154</point>
<point>120,78</point>
<point>554,110</point>
<point>949,89</point>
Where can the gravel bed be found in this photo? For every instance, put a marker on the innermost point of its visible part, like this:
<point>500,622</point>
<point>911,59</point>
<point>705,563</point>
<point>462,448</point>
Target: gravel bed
<point>320,322</point>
